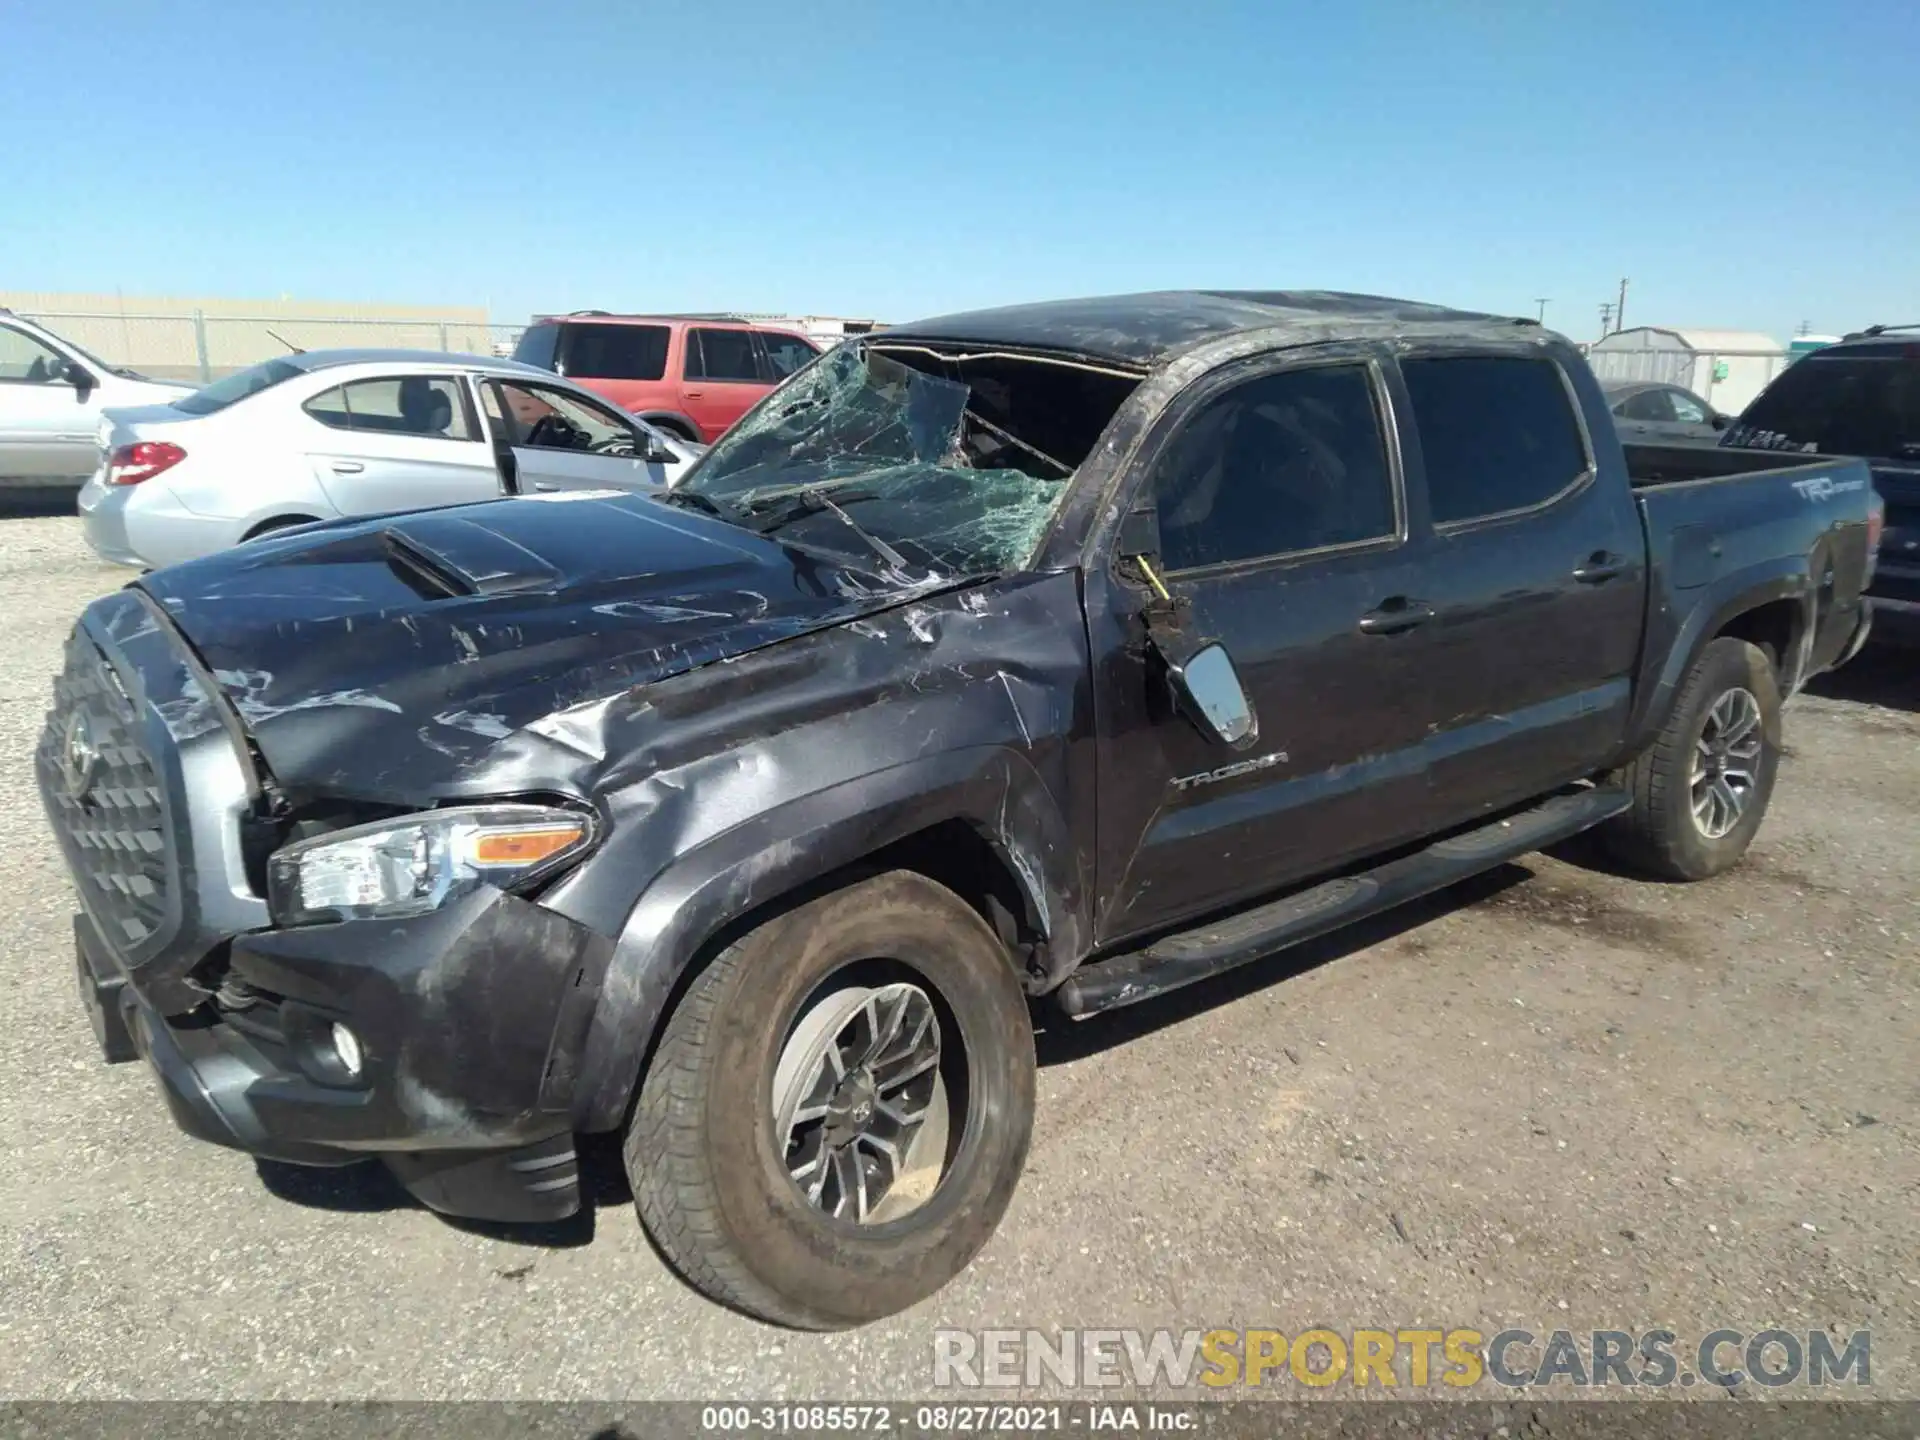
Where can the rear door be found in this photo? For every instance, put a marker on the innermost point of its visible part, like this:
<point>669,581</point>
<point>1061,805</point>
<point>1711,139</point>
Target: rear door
<point>48,428</point>
<point>1283,528</point>
<point>1535,572</point>
<point>723,377</point>
<point>558,440</point>
<point>399,442</point>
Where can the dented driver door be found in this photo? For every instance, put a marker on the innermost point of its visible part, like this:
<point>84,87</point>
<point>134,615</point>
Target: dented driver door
<point>1282,535</point>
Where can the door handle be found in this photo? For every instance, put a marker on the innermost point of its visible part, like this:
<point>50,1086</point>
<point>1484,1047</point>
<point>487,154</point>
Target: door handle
<point>693,394</point>
<point>545,485</point>
<point>345,467</point>
<point>1394,615</point>
<point>1600,568</point>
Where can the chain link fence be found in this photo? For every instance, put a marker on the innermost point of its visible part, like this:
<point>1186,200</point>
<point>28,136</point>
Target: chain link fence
<point>199,346</point>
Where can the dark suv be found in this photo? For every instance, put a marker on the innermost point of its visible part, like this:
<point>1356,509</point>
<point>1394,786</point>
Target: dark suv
<point>1859,397</point>
<point>690,375</point>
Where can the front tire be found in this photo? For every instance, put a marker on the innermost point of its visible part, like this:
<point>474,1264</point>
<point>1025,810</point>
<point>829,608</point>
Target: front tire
<point>1701,789</point>
<point>839,1108</point>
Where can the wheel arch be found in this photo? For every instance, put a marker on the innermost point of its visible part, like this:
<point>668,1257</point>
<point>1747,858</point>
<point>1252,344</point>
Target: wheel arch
<point>980,822</point>
<point>1769,605</point>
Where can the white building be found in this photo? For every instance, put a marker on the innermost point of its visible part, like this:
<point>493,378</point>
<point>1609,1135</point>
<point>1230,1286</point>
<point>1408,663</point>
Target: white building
<point>1727,368</point>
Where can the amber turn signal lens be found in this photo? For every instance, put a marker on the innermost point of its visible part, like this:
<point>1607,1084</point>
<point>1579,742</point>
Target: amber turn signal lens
<point>524,847</point>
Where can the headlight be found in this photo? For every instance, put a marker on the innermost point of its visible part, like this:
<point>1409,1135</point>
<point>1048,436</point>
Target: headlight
<point>417,863</point>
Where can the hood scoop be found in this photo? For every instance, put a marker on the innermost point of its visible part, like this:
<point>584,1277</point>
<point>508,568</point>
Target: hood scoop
<point>449,556</point>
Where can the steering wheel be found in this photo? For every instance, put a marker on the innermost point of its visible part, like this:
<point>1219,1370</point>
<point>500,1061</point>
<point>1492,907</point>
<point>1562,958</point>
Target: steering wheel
<point>556,432</point>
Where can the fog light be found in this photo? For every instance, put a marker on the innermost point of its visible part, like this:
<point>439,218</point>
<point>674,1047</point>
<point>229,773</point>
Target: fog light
<point>346,1045</point>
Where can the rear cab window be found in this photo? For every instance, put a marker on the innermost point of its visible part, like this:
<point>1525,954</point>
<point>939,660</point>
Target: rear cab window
<point>590,351</point>
<point>1498,434</point>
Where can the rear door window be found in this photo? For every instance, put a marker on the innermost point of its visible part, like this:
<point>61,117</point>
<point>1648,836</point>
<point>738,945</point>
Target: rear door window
<point>1497,432</point>
<point>431,407</point>
<point>1846,404</point>
<point>721,355</point>
<point>614,352</point>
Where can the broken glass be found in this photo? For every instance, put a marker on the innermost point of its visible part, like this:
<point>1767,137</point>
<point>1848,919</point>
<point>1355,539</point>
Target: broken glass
<point>896,451</point>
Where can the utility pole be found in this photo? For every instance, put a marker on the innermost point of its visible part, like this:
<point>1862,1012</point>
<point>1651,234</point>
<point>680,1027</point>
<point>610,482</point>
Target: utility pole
<point>1542,303</point>
<point>1620,310</point>
<point>1606,320</point>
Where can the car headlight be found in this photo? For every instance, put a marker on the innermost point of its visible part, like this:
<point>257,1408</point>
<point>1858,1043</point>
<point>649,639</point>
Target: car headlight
<point>416,863</point>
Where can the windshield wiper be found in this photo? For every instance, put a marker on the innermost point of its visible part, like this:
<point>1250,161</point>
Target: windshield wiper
<point>811,500</point>
<point>694,500</point>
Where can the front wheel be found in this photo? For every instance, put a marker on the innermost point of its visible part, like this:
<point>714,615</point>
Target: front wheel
<point>839,1108</point>
<point>1701,789</point>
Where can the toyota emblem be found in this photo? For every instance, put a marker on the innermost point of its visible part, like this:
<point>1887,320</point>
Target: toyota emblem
<point>79,756</point>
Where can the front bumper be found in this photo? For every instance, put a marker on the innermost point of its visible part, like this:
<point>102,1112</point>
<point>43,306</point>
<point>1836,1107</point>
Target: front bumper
<point>468,1021</point>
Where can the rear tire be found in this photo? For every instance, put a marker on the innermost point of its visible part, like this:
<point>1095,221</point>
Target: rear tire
<point>741,1177</point>
<point>1701,789</point>
<point>675,428</point>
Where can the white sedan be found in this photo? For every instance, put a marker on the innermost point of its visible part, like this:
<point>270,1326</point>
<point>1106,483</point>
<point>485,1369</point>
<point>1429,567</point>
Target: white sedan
<point>331,433</point>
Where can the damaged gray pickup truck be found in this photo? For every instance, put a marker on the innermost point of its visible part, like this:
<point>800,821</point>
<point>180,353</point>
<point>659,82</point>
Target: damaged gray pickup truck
<point>1078,650</point>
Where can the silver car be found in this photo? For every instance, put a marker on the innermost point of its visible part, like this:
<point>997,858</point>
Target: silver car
<point>52,394</point>
<point>331,433</point>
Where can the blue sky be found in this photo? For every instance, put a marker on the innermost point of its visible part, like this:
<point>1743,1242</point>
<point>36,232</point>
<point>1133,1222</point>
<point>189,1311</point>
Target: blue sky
<point>1749,164</point>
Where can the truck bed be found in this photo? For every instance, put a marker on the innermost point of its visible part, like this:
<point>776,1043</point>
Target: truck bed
<point>1653,465</point>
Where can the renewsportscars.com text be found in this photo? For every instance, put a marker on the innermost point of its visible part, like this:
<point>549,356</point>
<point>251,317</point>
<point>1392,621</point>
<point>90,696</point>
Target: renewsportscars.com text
<point>1391,1359</point>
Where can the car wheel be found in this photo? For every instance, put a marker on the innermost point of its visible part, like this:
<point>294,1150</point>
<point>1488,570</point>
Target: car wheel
<point>1701,789</point>
<point>839,1109</point>
<point>675,429</point>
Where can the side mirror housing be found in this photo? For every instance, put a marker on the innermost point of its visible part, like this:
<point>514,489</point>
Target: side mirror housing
<point>1719,421</point>
<point>78,376</point>
<point>1209,687</point>
<point>653,450</point>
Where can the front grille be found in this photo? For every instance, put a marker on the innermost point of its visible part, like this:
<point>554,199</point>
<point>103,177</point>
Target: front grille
<point>104,797</point>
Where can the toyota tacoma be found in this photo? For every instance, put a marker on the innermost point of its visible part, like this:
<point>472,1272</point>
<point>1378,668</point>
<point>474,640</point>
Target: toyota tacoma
<point>1064,653</point>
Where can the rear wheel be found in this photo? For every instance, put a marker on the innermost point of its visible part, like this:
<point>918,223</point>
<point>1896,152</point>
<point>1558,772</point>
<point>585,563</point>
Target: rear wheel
<point>1701,789</point>
<point>679,429</point>
<point>839,1108</point>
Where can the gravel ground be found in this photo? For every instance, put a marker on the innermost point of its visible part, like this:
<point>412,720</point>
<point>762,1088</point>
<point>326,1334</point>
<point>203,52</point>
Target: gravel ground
<point>1553,1097</point>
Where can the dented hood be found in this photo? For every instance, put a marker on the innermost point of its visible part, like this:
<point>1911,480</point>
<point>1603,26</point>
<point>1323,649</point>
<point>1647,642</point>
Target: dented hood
<point>387,658</point>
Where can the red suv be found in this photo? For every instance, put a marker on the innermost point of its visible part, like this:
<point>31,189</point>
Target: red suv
<point>691,374</point>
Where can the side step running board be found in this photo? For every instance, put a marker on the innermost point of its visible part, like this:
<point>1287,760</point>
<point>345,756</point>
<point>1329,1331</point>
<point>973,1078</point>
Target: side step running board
<point>1181,959</point>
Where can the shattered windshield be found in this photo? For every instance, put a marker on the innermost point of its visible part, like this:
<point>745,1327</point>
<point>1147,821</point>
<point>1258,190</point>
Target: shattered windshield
<point>861,449</point>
